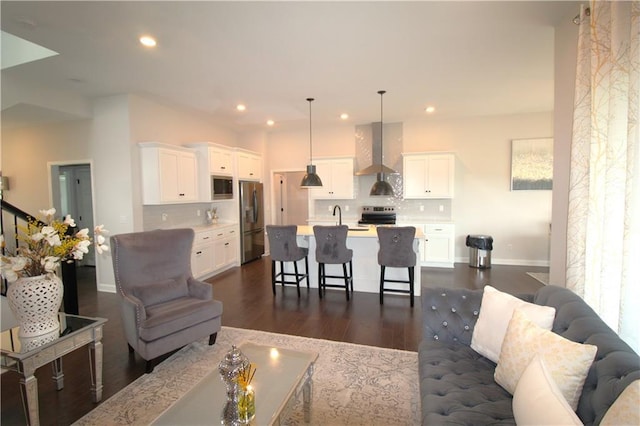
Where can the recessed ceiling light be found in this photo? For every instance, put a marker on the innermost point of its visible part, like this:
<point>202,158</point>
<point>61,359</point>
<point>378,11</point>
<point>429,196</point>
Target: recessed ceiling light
<point>344,116</point>
<point>430,109</point>
<point>270,122</point>
<point>148,41</point>
<point>241,107</point>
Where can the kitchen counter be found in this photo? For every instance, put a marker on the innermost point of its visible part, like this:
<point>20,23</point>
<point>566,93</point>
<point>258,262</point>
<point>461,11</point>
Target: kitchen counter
<point>358,231</point>
<point>366,271</point>
<point>213,226</point>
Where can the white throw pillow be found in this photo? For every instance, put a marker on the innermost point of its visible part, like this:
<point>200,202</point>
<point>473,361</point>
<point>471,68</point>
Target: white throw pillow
<point>567,361</point>
<point>626,409</point>
<point>496,311</point>
<point>537,400</point>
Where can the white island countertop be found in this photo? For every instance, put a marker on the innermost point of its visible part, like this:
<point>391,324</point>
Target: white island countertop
<point>361,231</point>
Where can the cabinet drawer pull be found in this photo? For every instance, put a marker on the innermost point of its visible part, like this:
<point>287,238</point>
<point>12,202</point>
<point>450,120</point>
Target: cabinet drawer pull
<point>220,235</point>
<point>226,244</point>
<point>222,167</point>
<point>199,252</point>
<point>205,238</point>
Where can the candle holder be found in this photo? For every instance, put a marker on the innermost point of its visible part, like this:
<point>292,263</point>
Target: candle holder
<point>231,366</point>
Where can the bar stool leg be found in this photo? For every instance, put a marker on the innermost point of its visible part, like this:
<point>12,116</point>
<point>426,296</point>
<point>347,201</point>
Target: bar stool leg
<point>381,283</point>
<point>351,274</point>
<point>295,269</point>
<point>320,274</point>
<point>346,279</point>
<point>273,276</point>
<point>411,272</point>
<point>306,269</point>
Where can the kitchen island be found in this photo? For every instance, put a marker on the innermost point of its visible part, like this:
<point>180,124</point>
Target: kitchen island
<point>363,240</point>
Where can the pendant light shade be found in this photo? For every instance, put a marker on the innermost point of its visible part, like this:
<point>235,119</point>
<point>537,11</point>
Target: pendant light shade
<point>310,179</point>
<point>381,187</point>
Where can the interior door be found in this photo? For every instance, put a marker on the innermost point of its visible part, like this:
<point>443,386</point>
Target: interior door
<point>292,202</point>
<point>76,200</point>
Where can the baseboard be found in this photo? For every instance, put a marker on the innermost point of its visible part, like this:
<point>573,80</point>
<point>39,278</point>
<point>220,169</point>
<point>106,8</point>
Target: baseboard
<point>107,288</point>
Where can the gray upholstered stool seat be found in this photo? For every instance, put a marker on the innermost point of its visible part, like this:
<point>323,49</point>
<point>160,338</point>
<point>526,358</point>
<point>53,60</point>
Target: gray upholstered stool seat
<point>331,248</point>
<point>284,248</point>
<point>396,251</point>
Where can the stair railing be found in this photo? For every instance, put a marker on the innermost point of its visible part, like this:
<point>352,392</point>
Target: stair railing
<point>17,217</point>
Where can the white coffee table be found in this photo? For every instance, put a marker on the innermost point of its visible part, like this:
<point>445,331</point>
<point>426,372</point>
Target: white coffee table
<point>281,376</point>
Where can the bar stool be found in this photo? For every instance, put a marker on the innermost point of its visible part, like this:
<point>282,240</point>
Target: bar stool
<point>284,248</point>
<point>331,248</point>
<point>396,251</point>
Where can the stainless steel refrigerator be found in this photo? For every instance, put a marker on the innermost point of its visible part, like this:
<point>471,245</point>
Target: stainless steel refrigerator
<point>251,220</point>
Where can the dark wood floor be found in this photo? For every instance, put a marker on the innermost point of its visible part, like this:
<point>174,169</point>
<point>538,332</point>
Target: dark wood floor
<point>249,303</point>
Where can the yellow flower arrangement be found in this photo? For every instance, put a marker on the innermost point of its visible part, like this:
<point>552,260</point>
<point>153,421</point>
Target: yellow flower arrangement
<point>244,377</point>
<point>246,399</point>
<point>46,244</point>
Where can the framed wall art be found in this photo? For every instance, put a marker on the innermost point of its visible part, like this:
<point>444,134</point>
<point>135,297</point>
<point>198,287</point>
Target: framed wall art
<point>532,164</point>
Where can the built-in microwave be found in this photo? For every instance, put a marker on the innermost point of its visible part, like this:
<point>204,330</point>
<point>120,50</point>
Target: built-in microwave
<point>221,187</point>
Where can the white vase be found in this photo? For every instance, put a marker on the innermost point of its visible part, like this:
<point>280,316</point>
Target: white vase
<point>35,302</point>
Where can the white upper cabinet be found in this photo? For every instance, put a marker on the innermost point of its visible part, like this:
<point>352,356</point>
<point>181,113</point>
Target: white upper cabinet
<point>428,175</point>
<point>337,179</point>
<point>249,166</point>
<point>169,174</point>
<point>220,161</point>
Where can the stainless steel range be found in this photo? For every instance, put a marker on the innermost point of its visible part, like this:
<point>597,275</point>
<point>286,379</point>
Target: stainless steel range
<point>378,215</point>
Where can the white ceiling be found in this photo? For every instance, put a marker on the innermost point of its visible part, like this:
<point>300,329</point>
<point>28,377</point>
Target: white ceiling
<point>465,58</point>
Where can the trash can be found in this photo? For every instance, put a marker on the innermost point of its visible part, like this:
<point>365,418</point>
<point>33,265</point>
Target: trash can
<point>480,247</point>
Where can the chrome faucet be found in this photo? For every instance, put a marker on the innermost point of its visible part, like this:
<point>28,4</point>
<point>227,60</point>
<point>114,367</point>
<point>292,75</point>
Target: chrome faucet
<point>340,213</point>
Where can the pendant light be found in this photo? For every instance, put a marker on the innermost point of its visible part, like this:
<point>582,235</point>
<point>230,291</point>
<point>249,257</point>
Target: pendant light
<point>310,179</point>
<point>381,187</point>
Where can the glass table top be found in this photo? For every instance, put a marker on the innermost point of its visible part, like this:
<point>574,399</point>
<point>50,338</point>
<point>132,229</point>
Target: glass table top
<point>11,342</point>
<point>279,372</point>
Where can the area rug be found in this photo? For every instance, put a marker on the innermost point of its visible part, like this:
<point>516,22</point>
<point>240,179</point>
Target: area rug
<point>543,277</point>
<point>352,384</point>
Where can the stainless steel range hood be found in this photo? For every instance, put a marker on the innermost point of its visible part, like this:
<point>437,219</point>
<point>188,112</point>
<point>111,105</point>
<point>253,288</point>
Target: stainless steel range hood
<point>376,154</point>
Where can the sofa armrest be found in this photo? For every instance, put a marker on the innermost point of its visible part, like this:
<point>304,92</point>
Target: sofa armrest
<point>199,289</point>
<point>449,315</point>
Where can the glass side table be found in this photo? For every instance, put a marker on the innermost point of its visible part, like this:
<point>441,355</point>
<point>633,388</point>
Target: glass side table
<point>25,355</point>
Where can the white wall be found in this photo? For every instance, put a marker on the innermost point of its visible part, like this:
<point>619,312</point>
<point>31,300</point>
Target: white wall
<point>483,204</point>
<point>518,221</point>
<point>155,121</point>
<point>26,152</point>
<point>113,184</point>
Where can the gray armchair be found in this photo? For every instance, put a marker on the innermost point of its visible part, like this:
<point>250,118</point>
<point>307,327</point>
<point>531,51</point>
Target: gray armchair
<point>163,306</point>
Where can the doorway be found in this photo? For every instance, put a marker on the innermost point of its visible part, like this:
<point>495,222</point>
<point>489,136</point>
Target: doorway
<point>72,195</point>
<point>291,201</point>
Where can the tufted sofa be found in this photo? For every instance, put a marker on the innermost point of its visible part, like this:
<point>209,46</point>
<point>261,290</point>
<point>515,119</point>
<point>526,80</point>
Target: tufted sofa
<point>457,384</point>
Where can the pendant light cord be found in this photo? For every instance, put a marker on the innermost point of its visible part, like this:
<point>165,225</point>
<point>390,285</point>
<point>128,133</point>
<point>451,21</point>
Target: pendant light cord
<point>381,92</point>
<point>310,133</point>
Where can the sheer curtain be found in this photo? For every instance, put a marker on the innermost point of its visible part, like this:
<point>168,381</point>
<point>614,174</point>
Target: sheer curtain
<point>603,235</point>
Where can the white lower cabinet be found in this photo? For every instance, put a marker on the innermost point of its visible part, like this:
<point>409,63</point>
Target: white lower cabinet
<point>225,248</point>
<point>214,250</point>
<point>202,255</point>
<point>439,245</point>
